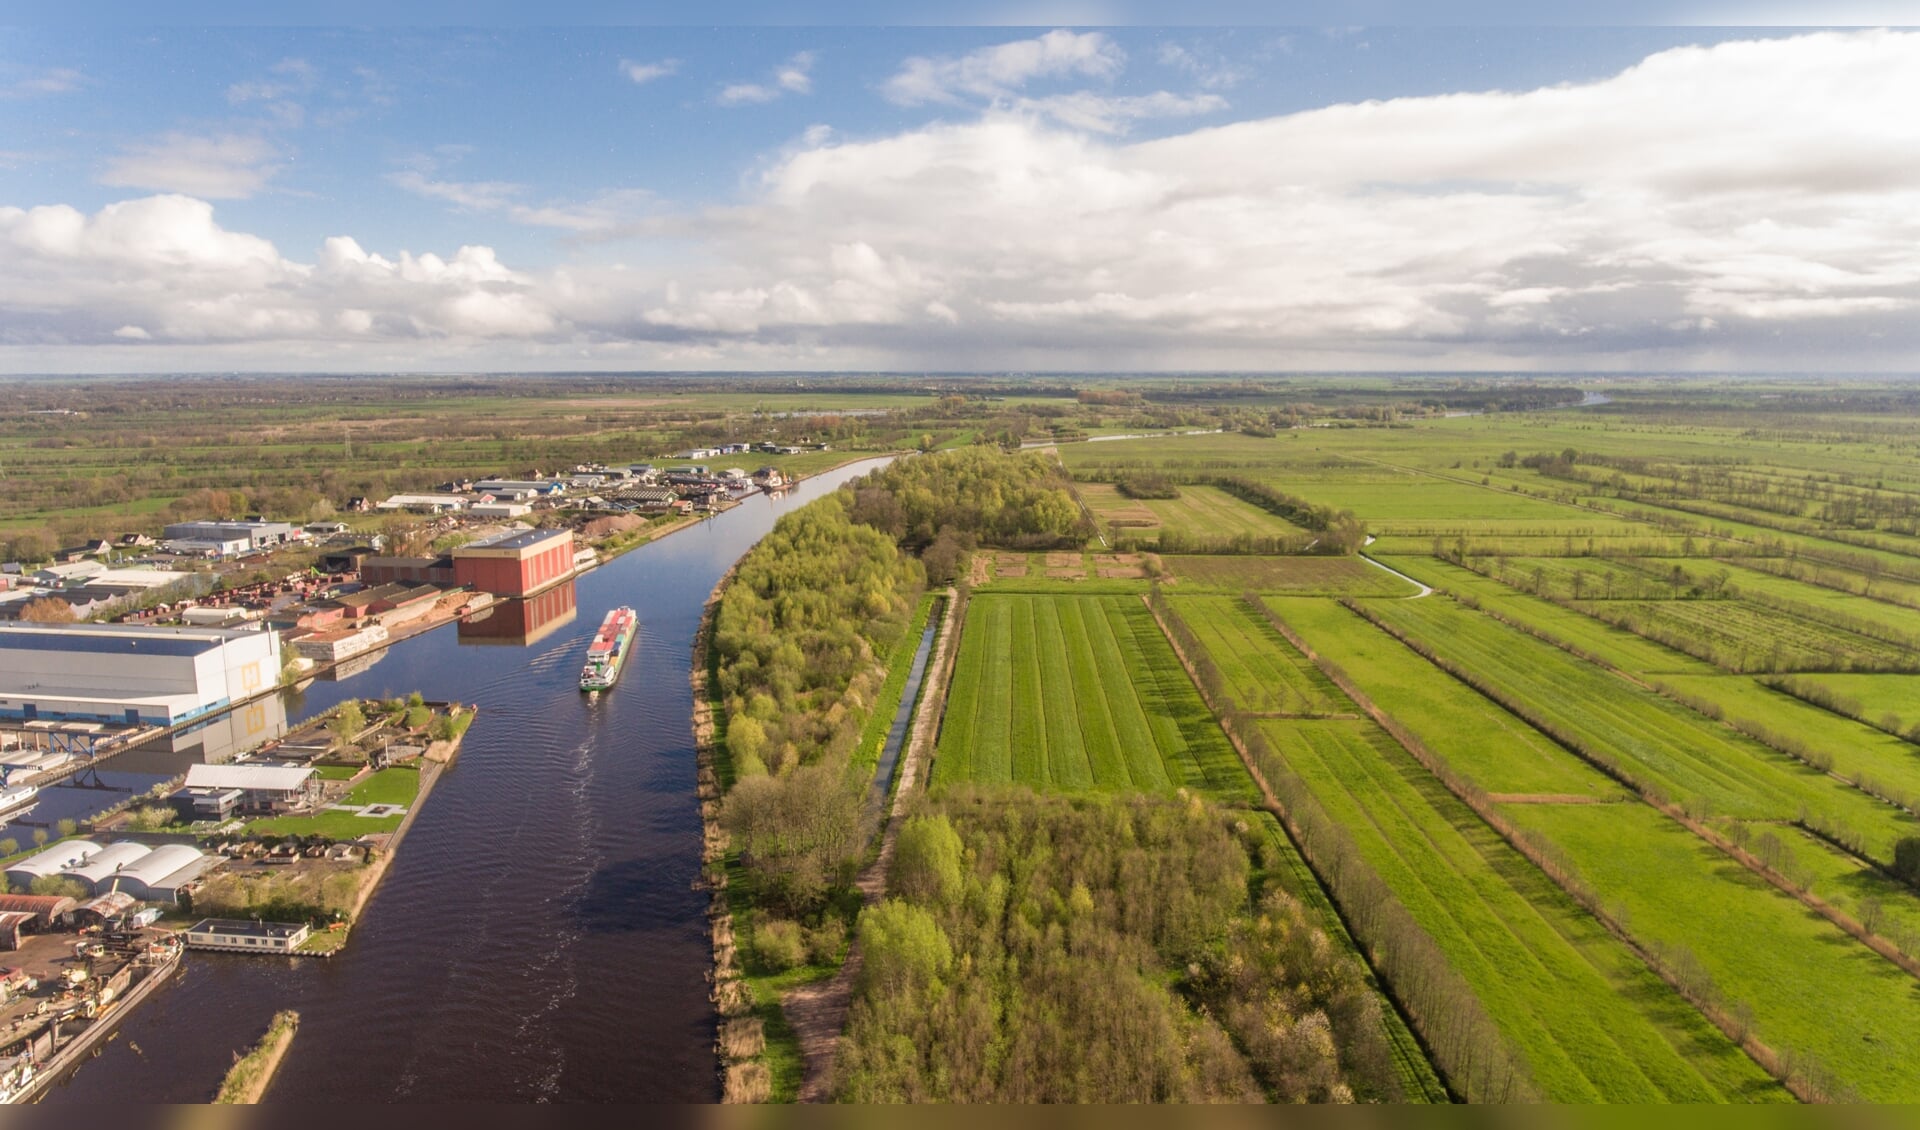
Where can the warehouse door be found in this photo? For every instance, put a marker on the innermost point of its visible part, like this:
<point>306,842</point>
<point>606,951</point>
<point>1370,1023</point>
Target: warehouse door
<point>133,717</point>
<point>29,712</point>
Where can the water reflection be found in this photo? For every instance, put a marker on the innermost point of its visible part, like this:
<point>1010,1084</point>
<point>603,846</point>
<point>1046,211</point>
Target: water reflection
<point>521,623</point>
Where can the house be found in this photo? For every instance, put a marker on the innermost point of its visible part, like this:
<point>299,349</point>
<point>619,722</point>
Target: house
<point>326,529</point>
<point>82,551</point>
<point>263,788</point>
<point>360,504</point>
<point>772,478</point>
<point>137,541</point>
<point>237,935</point>
<point>69,573</point>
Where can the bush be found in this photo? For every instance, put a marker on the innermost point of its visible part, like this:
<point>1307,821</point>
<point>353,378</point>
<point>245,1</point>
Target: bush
<point>1906,861</point>
<point>778,944</point>
<point>827,942</point>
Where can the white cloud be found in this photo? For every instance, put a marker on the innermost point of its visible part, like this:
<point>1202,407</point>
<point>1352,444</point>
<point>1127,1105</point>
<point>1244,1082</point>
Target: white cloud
<point>647,72</point>
<point>473,196</point>
<point>995,76</point>
<point>795,76</point>
<point>1102,113</point>
<point>1209,68</point>
<point>288,77</point>
<point>746,94</point>
<point>996,72</point>
<point>1753,202</point>
<point>599,215</point>
<point>228,166</point>
<point>44,81</point>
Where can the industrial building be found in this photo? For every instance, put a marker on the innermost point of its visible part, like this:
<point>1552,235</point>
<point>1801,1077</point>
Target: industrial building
<point>331,646</point>
<point>131,674</point>
<point>516,563</point>
<point>51,861</point>
<point>250,536</point>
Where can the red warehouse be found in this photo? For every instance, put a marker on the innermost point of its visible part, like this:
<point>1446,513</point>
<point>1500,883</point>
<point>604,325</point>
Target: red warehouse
<point>515,564</point>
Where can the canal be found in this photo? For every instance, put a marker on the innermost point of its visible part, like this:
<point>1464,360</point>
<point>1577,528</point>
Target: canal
<point>539,936</point>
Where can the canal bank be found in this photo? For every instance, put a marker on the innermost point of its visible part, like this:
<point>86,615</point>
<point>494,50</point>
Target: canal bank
<point>541,937</point>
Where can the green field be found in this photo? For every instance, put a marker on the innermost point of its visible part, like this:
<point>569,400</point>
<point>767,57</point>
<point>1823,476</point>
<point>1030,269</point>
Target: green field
<point>1661,745</point>
<point>1264,673</point>
<point>1811,990</point>
<point>1498,752</point>
<point>1200,511</point>
<point>1298,576</point>
<point>1591,1022</point>
<point>1888,701</point>
<point>1074,693</point>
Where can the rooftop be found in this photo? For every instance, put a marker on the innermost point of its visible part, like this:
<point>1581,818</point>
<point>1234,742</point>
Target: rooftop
<point>515,539</point>
<point>116,639</point>
<point>246,777</point>
<point>241,927</point>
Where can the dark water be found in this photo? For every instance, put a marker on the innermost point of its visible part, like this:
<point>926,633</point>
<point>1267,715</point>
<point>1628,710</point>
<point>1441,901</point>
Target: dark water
<point>897,732</point>
<point>539,936</point>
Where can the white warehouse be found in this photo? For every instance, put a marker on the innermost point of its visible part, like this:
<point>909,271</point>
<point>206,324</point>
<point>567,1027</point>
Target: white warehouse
<point>121,673</point>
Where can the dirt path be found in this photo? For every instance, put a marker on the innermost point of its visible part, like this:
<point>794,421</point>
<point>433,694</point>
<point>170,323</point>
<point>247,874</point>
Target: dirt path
<point>818,1011</point>
<point>1425,590</point>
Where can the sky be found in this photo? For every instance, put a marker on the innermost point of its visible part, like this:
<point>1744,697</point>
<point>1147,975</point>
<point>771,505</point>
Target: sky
<point>977,198</point>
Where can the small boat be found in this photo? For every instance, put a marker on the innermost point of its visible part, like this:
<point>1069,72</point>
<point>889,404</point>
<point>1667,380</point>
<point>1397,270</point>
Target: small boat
<point>608,651</point>
<point>13,798</point>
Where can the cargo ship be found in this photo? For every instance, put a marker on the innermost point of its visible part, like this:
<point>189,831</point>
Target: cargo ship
<point>608,651</point>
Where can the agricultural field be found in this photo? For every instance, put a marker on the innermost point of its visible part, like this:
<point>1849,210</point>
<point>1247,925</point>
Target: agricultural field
<point>1496,751</point>
<point>1846,1014</point>
<point>1264,673</point>
<point>1297,576</point>
<point>1890,702</point>
<point>1663,746</point>
<point>1591,1021</point>
<point>1200,511</point>
<point>1077,693</point>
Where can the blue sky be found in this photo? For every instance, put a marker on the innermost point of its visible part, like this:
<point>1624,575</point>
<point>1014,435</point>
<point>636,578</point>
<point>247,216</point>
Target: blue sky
<point>953,198</point>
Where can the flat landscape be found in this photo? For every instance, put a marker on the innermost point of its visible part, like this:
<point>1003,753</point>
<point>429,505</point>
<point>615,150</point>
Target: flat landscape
<point>1663,639</point>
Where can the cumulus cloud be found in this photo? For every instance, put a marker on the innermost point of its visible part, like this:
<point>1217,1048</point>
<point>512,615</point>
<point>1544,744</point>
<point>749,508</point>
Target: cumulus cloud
<point>646,72</point>
<point>795,76</point>
<point>1746,202</point>
<point>229,166</point>
<point>162,268</point>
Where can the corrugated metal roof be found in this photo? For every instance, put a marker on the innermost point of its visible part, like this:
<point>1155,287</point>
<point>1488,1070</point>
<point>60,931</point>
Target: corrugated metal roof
<point>269,777</point>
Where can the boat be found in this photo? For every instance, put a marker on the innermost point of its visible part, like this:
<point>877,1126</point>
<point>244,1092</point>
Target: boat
<point>13,798</point>
<point>608,651</point>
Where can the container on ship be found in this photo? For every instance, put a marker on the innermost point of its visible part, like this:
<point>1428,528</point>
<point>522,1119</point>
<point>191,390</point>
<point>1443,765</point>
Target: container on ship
<point>608,651</point>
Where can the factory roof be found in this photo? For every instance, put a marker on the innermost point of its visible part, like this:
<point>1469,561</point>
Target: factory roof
<point>106,861</point>
<point>269,777</point>
<point>59,857</point>
<point>515,539</point>
<point>160,863</point>
<point>116,639</point>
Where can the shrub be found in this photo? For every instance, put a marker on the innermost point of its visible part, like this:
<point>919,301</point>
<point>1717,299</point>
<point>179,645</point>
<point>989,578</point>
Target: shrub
<point>778,944</point>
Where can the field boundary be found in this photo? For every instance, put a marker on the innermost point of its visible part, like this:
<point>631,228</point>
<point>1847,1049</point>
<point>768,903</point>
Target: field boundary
<point>1408,1018</point>
<point>1769,1060</point>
